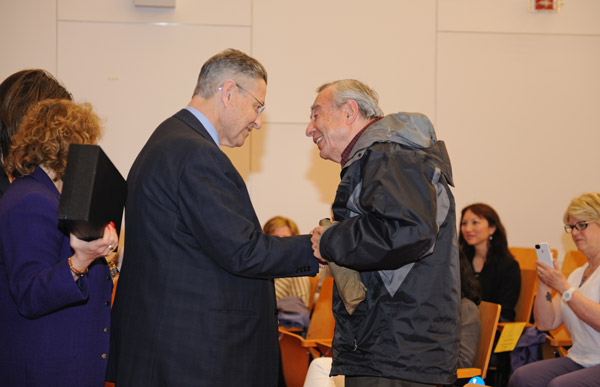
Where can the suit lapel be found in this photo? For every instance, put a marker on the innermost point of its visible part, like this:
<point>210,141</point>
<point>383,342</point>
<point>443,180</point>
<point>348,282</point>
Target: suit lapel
<point>190,120</point>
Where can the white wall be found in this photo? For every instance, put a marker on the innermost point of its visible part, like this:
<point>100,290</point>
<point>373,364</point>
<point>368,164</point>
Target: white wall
<point>514,93</point>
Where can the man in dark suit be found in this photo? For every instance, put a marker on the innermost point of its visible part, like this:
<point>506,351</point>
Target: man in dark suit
<point>195,303</point>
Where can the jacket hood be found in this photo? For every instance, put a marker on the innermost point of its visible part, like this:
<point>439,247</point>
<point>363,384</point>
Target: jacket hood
<point>413,130</point>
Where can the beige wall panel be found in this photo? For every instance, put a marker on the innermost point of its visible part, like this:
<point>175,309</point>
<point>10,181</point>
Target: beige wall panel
<point>289,178</point>
<point>137,75</point>
<point>388,44</point>
<point>209,12</point>
<point>510,16</point>
<point>519,113</point>
<point>27,35</point>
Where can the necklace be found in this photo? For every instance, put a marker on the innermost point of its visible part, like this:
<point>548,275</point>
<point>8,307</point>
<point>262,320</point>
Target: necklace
<point>590,270</point>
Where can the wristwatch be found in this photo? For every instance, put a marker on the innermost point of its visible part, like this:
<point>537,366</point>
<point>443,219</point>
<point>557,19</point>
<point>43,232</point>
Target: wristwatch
<point>566,296</point>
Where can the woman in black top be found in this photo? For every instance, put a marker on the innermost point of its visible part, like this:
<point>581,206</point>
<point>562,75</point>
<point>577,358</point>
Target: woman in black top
<point>483,242</point>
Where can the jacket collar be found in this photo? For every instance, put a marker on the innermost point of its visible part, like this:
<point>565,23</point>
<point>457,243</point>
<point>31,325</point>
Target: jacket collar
<point>41,177</point>
<point>412,130</point>
<point>189,119</point>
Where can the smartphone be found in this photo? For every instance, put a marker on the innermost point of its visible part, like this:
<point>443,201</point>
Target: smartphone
<point>544,254</point>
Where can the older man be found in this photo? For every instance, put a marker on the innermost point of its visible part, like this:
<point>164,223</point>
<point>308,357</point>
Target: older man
<point>395,224</point>
<point>195,304</point>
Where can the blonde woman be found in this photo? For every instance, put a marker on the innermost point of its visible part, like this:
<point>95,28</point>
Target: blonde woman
<point>576,304</point>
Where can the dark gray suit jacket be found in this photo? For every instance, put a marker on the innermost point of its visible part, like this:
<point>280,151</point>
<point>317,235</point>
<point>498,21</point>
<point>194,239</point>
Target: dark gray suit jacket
<point>195,302</point>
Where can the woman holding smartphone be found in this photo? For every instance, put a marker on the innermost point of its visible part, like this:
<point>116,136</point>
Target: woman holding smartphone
<point>576,304</point>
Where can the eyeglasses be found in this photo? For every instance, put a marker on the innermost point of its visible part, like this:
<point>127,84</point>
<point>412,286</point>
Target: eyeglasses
<point>261,105</point>
<point>580,226</point>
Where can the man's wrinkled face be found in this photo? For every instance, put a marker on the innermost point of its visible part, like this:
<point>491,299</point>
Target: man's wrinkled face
<point>328,127</point>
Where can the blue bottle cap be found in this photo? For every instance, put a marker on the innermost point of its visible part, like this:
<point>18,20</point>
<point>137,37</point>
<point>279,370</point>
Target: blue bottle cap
<point>477,380</point>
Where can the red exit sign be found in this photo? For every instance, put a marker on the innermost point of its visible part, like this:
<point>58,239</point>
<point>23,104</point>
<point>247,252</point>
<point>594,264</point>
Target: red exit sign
<point>546,5</point>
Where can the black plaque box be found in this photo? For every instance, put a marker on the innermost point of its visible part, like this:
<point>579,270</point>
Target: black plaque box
<point>93,193</point>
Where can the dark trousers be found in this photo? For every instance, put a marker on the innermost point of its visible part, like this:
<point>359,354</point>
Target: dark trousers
<point>559,372</point>
<point>372,381</point>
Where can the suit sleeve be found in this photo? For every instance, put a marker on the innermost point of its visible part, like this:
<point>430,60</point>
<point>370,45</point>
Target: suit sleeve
<point>218,211</point>
<point>40,282</point>
<point>396,221</point>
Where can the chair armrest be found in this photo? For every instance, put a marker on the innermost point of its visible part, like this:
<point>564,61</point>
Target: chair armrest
<point>309,343</point>
<point>559,341</point>
<point>325,347</point>
<point>463,373</point>
<point>291,329</point>
<point>559,337</point>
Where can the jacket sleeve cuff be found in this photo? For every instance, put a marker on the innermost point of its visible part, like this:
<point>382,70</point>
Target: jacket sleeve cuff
<point>323,243</point>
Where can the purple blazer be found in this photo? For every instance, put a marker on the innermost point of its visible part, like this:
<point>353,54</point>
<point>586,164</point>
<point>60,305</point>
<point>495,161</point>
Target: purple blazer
<point>53,331</point>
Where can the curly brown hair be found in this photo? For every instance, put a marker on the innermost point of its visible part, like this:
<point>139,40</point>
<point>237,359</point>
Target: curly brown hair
<point>45,133</point>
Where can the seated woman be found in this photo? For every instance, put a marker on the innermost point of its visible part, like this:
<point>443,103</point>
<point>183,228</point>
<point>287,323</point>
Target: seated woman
<point>576,304</point>
<point>54,292</point>
<point>483,242</point>
<point>293,286</point>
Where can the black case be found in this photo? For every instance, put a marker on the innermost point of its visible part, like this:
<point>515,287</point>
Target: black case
<point>93,193</point>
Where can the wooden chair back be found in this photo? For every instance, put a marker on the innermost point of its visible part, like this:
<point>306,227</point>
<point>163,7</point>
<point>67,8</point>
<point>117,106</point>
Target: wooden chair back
<point>295,350</point>
<point>489,314</point>
<point>573,260</point>
<point>314,284</point>
<point>322,323</point>
<point>294,358</point>
<point>529,285</point>
<point>527,257</point>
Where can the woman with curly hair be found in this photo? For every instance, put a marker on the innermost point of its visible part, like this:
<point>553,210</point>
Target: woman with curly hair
<point>54,291</point>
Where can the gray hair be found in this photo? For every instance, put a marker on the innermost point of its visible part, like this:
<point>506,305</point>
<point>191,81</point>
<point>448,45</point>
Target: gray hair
<point>227,64</point>
<point>366,98</point>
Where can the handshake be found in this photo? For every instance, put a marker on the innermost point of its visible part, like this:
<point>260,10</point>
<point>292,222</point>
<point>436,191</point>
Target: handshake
<point>350,287</point>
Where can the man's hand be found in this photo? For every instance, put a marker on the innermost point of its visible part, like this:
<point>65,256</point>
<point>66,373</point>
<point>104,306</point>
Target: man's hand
<point>316,237</point>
